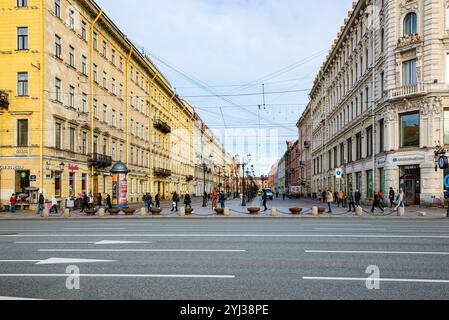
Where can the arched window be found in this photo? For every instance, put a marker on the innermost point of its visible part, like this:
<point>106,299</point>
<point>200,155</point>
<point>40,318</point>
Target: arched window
<point>410,24</point>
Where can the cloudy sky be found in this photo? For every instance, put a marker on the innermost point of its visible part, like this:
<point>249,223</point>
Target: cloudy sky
<point>219,53</point>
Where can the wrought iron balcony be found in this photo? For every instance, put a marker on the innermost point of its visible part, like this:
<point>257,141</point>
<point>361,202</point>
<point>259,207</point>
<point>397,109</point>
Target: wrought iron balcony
<point>189,178</point>
<point>100,160</point>
<point>162,126</point>
<point>4,103</point>
<point>163,173</point>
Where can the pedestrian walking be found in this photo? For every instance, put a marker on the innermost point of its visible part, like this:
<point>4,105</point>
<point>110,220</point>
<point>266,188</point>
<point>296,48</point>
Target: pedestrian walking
<point>324,195</point>
<point>12,202</point>
<point>284,195</point>
<point>351,201</point>
<point>222,199</point>
<point>340,199</point>
<point>335,197</point>
<point>175,200</point>
<point>54,205</point>
<point>85,202</point>
<point>214,199</point>
<point>99,200</point>
<point>91,201</point>
<point>40,204</point>
<point>391,196</point>
<point>357,197</point>
<point>400,200</point>
<point>157,198</point>
<point>330,199</point>
<point>264,199</point>
<point>188,201</point>
<point>148,201</point>
<point>108,202</point>
<point>377,202</point>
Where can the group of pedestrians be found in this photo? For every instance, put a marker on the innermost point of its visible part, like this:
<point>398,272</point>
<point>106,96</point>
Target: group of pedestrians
<point>353,200</point>
<point>88,201</point>
<point>148,200</point>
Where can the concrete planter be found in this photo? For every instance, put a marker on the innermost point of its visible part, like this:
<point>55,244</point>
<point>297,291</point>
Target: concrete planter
<point>90,212</point>
<point>219,211</point>
<point>254,210</point>
<point>114,211</point>
<point>189,211</point>
<point>129,211</point>
<point>156,211</point>
<point>295,210</point>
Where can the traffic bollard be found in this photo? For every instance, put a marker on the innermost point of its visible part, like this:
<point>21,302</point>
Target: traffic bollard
<point>226,212</point>
<point>143,212</point>
<point>315,212</point>
<point>273,212</point>
<point>359,211</point>
<point>401,212</point>
<point>182,212</point>
<point>101,212</point>
<point>67,213</point>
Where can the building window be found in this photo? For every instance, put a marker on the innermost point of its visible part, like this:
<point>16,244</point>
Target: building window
<point>409,134</point>
<point>121,64</point>
<point>58,8</point>
<point>113,118</point>
<point>382,40</point>
<point>105,49</point>
<point>95,144</point>
<point>113,86</point>
<point>84,65</point>
<point>409,72</point>
<point>83,30</point>
<point>95,109</point>
<point>83,182</point>
<point>71,19</point>
<point>22,132</point>
<point>22,3</point>
<point>113,57</point>
<point>58,132</point>
<point>95,72</point>
<point>58,90</point>
<point>84,107</point>
<point>22,38</point>
<point>447,67</point>
<point>57,46</point>
<point>382,85</point>
<point>95,41</point>
<point>369,184</point>
<point>84,142</point>
<point>381,136</point>
<point>105,114</point>
<point>105,79</point>
<point>349,150</point>
<point>22,84</point>
<point>72,56</point>
<point>410,24</point>
<point>72,97</point>
<point>72,139</point>
<point>369,142</point>
<point>358,146</point>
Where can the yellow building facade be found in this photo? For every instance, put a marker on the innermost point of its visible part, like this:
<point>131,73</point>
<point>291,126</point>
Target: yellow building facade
<point>77,97</point>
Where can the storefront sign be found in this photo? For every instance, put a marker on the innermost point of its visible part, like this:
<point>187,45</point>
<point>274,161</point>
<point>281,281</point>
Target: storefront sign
<point>33,178</point>
<point>11,167</point>
<point>73,167</point>
<point>408,159</point>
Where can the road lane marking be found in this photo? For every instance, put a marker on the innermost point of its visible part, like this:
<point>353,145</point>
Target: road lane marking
<point>17,299</point>
<point>58,261</point>
<point>178,235</point>
<point>378,279</point>
<point>378,252</point>
<point>103,242</point>
<point>138,250</point>
<point>24,275</point>
<point>349,229</point>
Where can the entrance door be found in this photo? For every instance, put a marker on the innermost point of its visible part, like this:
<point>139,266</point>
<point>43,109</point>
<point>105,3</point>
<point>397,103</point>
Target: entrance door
<point>95,188</point>
<point>411,183</point>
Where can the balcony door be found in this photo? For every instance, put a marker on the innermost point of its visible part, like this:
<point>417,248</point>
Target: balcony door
<point>409,74</point>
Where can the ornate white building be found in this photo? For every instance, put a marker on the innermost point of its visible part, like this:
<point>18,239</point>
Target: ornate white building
<point>380,114</point>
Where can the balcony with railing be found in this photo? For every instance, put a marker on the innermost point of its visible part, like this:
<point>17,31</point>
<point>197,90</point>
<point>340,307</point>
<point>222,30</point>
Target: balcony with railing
<point>162,126</point>
<point>405,91</point>
<point>162,173</point>
<point>100,160</point>
<point>189,178</point>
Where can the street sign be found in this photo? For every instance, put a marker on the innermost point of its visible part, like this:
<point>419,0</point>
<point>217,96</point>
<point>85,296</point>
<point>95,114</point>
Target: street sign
<point>338,173</point>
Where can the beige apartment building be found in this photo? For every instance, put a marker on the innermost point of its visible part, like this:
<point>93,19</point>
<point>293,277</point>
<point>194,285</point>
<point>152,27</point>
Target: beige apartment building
<point>380,102</point>
<point>77,97</point>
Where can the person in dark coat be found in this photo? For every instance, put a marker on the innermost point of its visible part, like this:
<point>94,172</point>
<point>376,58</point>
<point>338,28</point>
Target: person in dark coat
<point>265,198</point>
<point>108,202</point>
<point>357,197</point>
<point>148,201</point>
<point>157,198</point>
<point>222,199</point>
<point>391,196</point>
<point>85,203</point>
<point>377,202</point>
<point>175,202</point>
<point>351,201</point>
<point>99,200</point>
<point>40,204</point>
<point>188,201</point>
<point>324,194</point>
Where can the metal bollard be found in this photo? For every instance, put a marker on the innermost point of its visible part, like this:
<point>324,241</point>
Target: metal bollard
<point>359,211</point>
<point>45,213</point>
<point>143,212</point>
<point>315,212</point>
<point>182,212</point>
<point>67,213</point>
<point>401,212</point>
<point>101,212</point>
<point>226,212</point>
<point>273,212</point>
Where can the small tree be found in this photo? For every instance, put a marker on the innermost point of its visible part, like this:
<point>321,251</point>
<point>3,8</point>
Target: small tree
<point>4,103</point>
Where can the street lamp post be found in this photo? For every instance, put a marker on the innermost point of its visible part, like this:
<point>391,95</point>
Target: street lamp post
<point>204,186</point>
<point>244,162</point>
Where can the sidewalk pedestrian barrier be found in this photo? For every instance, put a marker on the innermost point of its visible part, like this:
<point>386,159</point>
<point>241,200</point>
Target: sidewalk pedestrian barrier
<point>401,212</point>
<point>143,212</point>
<point>315,211</point>
<point>226,212</point>
<point>101,212</point>
<point>359,211</point>
<point>182,212</point>
<point>45,213</point>
<point>67,213</point>
<point>273,212</point>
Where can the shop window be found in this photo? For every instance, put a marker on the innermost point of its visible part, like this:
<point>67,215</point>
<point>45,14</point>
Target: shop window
<point>381,136</point>
<point>58,178</point>
<point>72,183</point>
<point>446,126</point>
<point>409,134</point>
<point>22,181</point>
<point>84,182</point>
<point>369,184</point>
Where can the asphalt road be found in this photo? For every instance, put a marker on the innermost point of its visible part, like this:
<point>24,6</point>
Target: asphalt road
<point>225,259</point>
